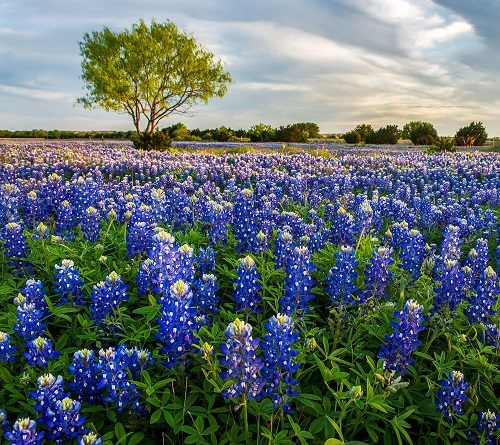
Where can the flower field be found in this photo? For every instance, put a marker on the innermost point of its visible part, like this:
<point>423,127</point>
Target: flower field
<point>229,295</point>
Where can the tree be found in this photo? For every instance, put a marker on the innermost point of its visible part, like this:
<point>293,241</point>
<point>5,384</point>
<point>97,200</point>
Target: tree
<point>420,133</point>
<point>360,134</point>
<point>385,135</point>
<point>474,134</point>
<point>261,133</point>
<point>148,73</point>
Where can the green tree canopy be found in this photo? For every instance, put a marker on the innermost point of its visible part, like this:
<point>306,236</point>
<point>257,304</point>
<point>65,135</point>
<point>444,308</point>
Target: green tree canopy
<point>148,73</point>
<point>420,133</point>
<point>473,134</point>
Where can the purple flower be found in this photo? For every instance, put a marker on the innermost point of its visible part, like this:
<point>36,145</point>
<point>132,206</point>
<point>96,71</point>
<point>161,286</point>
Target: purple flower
<point>242,364</point>
<point>246,287</point>
<point>205,301</point>
<point>90,439</point>
<point>40,352</point>
<point>64,420</point>
<point>91,224</point>
<point>452,396</point>
<point>278,367</point>
<point>176,324</point>
<point>4,423</point>
<point>244,220</point>
<point>283,249</point>
<point>377,276</point>
<point>404,339</point>
<point>24,433</point>
<point>488,422</point>
<point>65,221</point>
<point>86,374</point>
<point>482,302</point>
<point>107,297</point>
<point>298,283</point>
<point>340,283</point>
<point>115,383</point>
<point>29,321</point>
<point>41,232</point>
<point>68,284</point>
<point>6,349</point>
<point>451,290</point>
<point>50,390</point>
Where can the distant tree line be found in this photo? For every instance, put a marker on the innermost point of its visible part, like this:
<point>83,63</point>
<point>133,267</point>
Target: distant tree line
<point>420,133</point>
<point>65,134</point>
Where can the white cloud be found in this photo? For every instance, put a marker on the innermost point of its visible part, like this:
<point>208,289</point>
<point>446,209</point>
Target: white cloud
<point>35,93</point>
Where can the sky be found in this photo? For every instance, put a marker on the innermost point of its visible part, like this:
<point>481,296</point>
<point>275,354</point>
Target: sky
<point>338,63</point>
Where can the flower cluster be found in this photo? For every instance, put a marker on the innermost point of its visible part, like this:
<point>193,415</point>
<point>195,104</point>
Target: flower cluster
<point>6,349</point>
<point>91,224</point>
<point>377,276</point>
<point>205,301</point>
<point>482,302</point>
<point>107,297</point>
<point>246,287</point>
<point>24,432</point>
<point>452,396</point>
<point>279,367</point>
<point>298,283</point>
<point>40,352</point>
<point>451,290</point>
<point>241,362</point>
<point>404,339</point>
<point>340,283</point>
<point>68,284</point>
<point>86,374</point>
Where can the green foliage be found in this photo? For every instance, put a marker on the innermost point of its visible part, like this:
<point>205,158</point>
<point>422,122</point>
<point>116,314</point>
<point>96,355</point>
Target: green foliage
<point>148,72</point>
<point>300,132</point>
<point>261,133</point>
<point>360,134</point>
<point>420,133</point>
<point>473,134</point>
<point>158,140</point>
<point>385,135</point>
<point>443,145</point>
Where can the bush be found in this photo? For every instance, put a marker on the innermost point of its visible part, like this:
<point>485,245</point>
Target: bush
<point>359,134</point>
<point>443,145</point>
<point>420,133</point>
<point>472,135</point>
<point>385,135</point>
<point>159,141</point>
<point>352,137</point>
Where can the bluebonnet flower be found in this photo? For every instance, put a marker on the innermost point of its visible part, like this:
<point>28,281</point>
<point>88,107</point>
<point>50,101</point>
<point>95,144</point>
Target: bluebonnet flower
<point>68,284</point>
<point>65,221</point>
<point>404,339</point>
<point>50,390</point>
<point>91,224</point>
<point>24,433</point>
<point>452,396</point>
<point>205,301</point>
<point>242,364</point>
<point>488,422</point>
<point>176,324</point>
<point>219,217</point>
<point>41,232</point>
<point>377,276</point>
<point>343,228</point>
<point>16,248</point>
<point>135,359</point>
<point>86,374</point>
<point>107,297</point>
<point>482,302</point>
<point>364,217</point>
<point>64,420</point>
<point>33,293</point>
<point>261,243</point>
<point>478,259</point>
<point>7,350</point>
<point>451,246</point>
<point>4,423</point>
<point>451,290</point>
<point>118,389</point>
<point>283,248</point>
<point>206,260</point>
<point>340,283</point>
<point>412,252</point>
<point>492,335</point>
<point>90,439</point>
<point>140,230</point>
<point>40,352</point>
<point>244,220</point>
<point>246,287</point>
<point>278,367</point>
<point>298,283</point>
<point>29,322</point>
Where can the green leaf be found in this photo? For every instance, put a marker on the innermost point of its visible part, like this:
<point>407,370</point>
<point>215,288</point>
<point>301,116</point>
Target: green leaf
<point>155,417</point>
<point>333,441</point>
<point>5,375</point>
<point>120,431</point>
<point>136,438</point>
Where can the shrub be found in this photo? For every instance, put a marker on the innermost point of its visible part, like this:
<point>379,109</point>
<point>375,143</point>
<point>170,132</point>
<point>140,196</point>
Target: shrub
<point>385,135</point>
<point>472,135</point>
<point>159,141</point>
<point>420,133</point>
